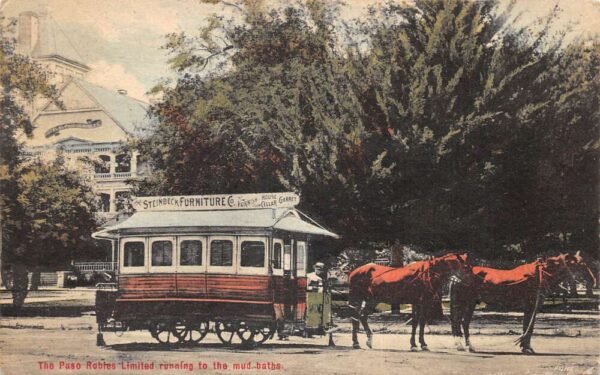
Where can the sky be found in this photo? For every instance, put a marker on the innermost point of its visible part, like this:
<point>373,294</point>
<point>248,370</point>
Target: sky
<point>121,39</point>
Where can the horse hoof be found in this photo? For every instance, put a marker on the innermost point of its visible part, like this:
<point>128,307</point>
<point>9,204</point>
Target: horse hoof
<point>528,351</point>
<point>425,348</point>
<point>370,343</point>
<point>459,346</point>
<point>414,349</point>
<point>356,346</point>
<point>472,349</point>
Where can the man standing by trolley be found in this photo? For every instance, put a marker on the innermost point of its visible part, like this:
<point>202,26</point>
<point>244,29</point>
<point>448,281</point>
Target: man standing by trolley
<point>317,278</point>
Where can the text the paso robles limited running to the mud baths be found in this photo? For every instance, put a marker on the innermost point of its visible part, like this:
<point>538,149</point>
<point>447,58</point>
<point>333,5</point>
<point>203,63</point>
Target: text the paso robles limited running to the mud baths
<point>157,366</point>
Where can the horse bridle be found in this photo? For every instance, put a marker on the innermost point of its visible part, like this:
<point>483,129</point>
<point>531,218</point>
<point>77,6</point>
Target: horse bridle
<point>542,272</point>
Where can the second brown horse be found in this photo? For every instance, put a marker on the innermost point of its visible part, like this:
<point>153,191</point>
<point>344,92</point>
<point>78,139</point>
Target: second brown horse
<point>523,287</point>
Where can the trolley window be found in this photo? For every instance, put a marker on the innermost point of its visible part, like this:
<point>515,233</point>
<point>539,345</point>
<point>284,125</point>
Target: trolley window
<point>162,253</point>
<point>253,254</point>
<point>277,256</point>
<point>287,257</point>
<point>301,258</point>
<point>221,253</point>
<point>191,253</point>
<point>133,254</point>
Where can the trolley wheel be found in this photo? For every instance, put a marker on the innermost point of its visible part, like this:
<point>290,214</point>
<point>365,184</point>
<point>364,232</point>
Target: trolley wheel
<point>254,336</point>
<point>246,334</point>
<point>164,332</point>
<point>225,331</point>
<point>191,332</point>
<point>263,334</point>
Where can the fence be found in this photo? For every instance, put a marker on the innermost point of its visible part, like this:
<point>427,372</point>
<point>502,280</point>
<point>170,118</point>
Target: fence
<point>95,266</point>
<point>382,261</point>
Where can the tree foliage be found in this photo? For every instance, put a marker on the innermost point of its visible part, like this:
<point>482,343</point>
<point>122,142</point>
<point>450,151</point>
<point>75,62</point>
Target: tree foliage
<point>20,81</point>
<point>440,123</point>
<point>46,210</point>
<point>58,214</point>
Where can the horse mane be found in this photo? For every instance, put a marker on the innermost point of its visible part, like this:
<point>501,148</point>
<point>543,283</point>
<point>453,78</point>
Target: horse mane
<point>436,260</point>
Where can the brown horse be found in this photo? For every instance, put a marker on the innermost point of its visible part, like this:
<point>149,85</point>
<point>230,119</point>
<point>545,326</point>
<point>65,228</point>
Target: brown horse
<point>523,287</point>
<point>419,284</point>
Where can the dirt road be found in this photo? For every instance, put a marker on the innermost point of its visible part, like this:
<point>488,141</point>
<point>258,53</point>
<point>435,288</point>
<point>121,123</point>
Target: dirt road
<point>566,345</point>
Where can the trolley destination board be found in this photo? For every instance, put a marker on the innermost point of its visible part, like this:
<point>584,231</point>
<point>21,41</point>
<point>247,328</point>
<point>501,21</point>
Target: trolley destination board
<point>216,202</point>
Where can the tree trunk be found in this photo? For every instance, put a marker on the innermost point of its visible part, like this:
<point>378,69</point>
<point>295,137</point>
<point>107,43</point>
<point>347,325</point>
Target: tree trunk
<point>396,260</point>
<point>19,287</point>
<point>3,278</point>
<point>35,279</point>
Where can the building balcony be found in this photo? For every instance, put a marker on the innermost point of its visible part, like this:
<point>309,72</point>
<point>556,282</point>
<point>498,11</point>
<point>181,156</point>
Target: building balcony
<point>115,176</point>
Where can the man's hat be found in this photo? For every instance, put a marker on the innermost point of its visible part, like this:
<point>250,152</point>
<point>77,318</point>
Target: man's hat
<point>319,264</point>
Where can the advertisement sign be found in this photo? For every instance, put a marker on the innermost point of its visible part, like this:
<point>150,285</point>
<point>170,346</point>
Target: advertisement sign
<point>217,202</point>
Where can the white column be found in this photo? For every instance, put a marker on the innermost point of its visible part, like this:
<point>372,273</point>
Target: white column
<point>113,162</point>
<point>112,251</point>
<point>134,157</point>
<point>113,205</point>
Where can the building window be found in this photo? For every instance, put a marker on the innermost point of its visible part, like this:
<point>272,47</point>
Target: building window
<point>221,253</point>
<point>277,256</point>
<point>133,254</point>
<point>104,202</point>
<point>121,200</point>
<point>191,253</point>
<point>162,253</point>
<point>123,163</point>
<point>102,165</point>
<point>253,254</point>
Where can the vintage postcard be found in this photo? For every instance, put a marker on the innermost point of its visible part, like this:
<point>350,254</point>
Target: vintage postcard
<point>299,186</point>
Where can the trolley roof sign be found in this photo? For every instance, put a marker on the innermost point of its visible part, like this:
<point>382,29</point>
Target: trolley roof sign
<point>217,202</point>
<point>220,213</point>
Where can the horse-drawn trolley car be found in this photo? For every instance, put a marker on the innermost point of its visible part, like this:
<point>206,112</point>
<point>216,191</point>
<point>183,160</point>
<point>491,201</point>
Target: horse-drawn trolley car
<point>233,264</point>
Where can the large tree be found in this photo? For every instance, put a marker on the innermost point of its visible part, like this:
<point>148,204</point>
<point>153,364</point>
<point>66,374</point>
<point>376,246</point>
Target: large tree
<point>431,123</point>
<point>281,117</point>
<point>56,220</point>
<point>21,81</point>
<point>470,103</point>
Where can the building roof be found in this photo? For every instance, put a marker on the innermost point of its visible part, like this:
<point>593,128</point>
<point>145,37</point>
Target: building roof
<point>148,222</point>
<point>129,113</point>
<point>53,43</point>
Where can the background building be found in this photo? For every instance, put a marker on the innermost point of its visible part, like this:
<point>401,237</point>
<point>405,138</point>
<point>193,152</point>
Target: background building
<point>92,125</point>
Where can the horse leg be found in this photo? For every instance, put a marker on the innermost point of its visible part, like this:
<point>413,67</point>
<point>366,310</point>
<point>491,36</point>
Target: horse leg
<point>415,322</point>
<point>527,316</point>
<point>456,315</point>
<point>422,321</point>
<point>466,322</point>
<point>355,327</point>
<point>457,327</point>
<point>364,320</point>
<point>528,324</point>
